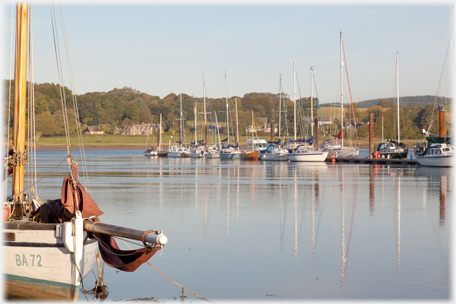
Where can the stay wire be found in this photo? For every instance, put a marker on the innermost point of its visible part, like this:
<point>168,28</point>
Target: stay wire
<point>75,105</point>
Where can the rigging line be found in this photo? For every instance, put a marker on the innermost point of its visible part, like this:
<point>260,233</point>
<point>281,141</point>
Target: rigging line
<point>286,123</point>
<point>441,73</point>
<point>349,90</point>
<point>304,115</point>
<point>35,183</point>
<point>75,105</point>
<point>59,72</point>
<point>170,278</point>
<point>297,109</point>
<point>318,100</point>
<point>33,107</point>
<point>210,115</point>
<point>28,105</point>
<point>9,101</point>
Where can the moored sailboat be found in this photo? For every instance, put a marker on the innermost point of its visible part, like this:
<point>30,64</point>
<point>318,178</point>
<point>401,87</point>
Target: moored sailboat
<point>150,151</point>
<point>332,147</point>
<point>391,148</point>
<point>253,144</point>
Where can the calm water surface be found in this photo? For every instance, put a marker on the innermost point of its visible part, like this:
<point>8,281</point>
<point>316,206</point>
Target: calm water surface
<point>273,230</point>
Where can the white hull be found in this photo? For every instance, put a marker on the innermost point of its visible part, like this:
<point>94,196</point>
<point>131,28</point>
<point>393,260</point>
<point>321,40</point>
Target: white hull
<point>37,265</point>
<point>230,153</point>
<point>179,153</point>
<point>344,152</point>
<point>174,154</point>
<point>274,156</point>
<point>234,155</point>
<point>214,154</point>
<point>310,156</point>
<point>435,161</point>
<point>150,153</point>
<point>197,154</point>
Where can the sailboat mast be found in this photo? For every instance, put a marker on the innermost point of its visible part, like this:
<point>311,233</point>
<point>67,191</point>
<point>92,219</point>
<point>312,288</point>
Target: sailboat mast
<point>147,142</point>
<point>397,93</point>
<point>181,120</point>
<point>341,91</point>
<point>196,133</point>
<point>205,120</point>
<point>159,132</point>
<point>280,100</point>
<point>237,127</point>
<point>218,129</point>
<point>20,80</point>
<point>294,97</point>
<point>227,110</point>
<point>311,101</point>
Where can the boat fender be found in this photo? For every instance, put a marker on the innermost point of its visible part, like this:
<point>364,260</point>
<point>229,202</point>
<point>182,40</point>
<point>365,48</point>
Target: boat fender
<point>6,213</point>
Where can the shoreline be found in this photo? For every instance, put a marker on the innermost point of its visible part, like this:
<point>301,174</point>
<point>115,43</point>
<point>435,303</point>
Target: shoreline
<point>113,147</point>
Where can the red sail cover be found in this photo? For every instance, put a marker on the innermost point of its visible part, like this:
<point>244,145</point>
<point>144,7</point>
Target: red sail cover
<point>125,260</point>
<point>86,204</point>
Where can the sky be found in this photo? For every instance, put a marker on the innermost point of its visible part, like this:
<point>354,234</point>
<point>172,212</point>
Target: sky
<point>163,48</point>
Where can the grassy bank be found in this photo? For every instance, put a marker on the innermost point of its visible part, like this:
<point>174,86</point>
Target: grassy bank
<point>139,141</point>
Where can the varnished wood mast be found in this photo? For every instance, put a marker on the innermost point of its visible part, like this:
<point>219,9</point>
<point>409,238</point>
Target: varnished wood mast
<point>20,85</point>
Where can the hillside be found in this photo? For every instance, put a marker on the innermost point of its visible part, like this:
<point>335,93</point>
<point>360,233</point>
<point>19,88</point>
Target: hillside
<point>122,106</point>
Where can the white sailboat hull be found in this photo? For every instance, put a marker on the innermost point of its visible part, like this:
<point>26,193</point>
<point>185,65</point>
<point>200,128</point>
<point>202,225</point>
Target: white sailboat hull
<point>310,156</point>
<point>37,265</point>
<point>436,161</point>
<point>199,154</point>
<point>236,155</point>
<point>278,156</point>
<point>212,154</point>
<point>344,152</point>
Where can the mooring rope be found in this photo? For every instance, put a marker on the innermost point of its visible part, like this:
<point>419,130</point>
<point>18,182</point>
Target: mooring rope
<point>202,298</point>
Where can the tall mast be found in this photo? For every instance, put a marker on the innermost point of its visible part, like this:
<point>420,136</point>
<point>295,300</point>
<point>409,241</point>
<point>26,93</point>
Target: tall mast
<point>280,100</point>
<point>218,130</point>
<point>20,80</point>
<point>341,91</point>
<point>204,111</point>
<point>237,126</point>
<point>159,131</point>
<point>181,126</point>
<point>294,97</point>
<point>196,133</point>
<point>227,111</point>
<point>311,101</point>
<point>397,93</point>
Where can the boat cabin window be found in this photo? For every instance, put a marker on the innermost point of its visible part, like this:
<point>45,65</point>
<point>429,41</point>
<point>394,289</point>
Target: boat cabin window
<point>446,150</point>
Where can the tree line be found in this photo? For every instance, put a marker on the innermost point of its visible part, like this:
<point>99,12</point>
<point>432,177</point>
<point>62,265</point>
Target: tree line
<point>122,106</point>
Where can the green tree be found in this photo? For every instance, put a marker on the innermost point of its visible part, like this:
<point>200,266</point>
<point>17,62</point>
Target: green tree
<point>45,123</point>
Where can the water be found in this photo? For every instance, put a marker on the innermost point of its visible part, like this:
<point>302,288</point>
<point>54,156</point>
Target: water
<point>273,230</point>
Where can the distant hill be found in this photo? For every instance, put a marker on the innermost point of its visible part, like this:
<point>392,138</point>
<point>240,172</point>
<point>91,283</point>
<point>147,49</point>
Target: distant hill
<point>411,101</point>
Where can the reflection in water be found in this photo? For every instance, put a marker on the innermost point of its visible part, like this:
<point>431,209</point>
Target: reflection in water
<point>184,195</point>
<point>443,191</point>
<point>371,189</point>
<point>342,230</point>
<point>398,228</point>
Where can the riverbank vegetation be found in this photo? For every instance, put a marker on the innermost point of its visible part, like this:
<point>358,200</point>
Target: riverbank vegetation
<point>119,107</point>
